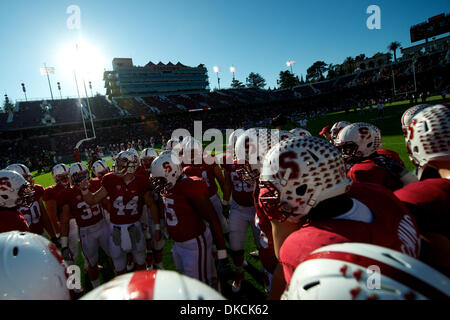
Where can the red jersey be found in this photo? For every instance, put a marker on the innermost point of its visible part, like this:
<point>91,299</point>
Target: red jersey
<point>84,214</point>
<point>54,192</point>
<point>33,213</point>
<point>126,200</point>
<point>392,227</point>
<point>429,202</point>
<point>368,171</point>
<point>182,222</point>
<point>142,172</point>
<point>205,171</point>
<point>242,191</point>
<point>12,220</point>
<point>391,155</point>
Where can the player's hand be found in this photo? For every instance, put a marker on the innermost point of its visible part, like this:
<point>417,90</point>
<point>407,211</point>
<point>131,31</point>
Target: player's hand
<point>223,268</point>
<point>67,254</point>
<point>84,185</point>
<point>226,210</point>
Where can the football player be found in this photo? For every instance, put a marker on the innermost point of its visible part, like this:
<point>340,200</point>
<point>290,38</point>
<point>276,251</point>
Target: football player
<point>300,132</point>
<point>127,193</point>
<point>358,143</point>
<point>242,212</point>
<point>15,192</point>
<point>94,231</point>
<point>194,164</point>
<point>154,248</point>
<point>187,207</point>
<point>359,271</point>
<point>251,148</point>
<point>35,213</point>
<point>31,267</point>
<point>153,285</point>
<point>336,128</point>
<point>53,202</point>
<point>427,142</point>
<point>311,203</point>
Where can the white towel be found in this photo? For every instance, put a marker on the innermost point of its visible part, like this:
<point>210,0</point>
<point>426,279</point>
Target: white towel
<point>125,240</point>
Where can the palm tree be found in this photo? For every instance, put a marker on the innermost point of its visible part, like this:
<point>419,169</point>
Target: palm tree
<point>393,47</point>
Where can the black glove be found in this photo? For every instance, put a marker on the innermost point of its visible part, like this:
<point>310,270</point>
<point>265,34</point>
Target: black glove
<point>56,241</point>
<point>226,210</point>
<point>67,254</point>
<point>223,268</point>
<point>395,168</point>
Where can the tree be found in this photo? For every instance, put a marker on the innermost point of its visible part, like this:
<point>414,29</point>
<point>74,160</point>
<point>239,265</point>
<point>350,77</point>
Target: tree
<point>316,71</point>
<point>7,106</point>
<point>287,80</point>
<point>237,84</point>
<point>393,46</point>
<point>255,80</point>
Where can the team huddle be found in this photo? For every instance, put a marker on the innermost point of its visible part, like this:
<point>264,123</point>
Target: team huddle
<point>324,212</point>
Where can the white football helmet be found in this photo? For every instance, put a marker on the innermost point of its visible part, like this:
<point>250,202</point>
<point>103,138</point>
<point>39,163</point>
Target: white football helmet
<point>22,170</point>
<point>358,140</point>
<point>252,146</point>
<point>31,268</point>
<point>15,191</point>
<point>126,162</point>
<point>303,171</point>
<point>77,173</point>
<point>171,144</point>
<point>360,271</point>
<point>60,174</point>
<point>192,150</point>
<point>147,157</point>
<point>299,132</point>
<point>409,114</point>
<point>134,152</point>
<point>429,135</point>
<point>100,168</point>
<point>166,170</point>
<point>336,128</point>
<point>153,285</point>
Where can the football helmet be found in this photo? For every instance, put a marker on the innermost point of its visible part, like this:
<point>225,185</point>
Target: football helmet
<point>336,128</point>
<point>77,173</point>
<point>134,152</point>
<point>100,168</point>
<point>299,132</point>
<point>166,170</point>
<point>15,191</point>
<point>126,162</point>
<point>358,140</point>
<point>171,144</point>
<point>302,172</point>
<point>192,150</point>
<point>429,135</point>
<point>147,157</point>
<point>365,272</point>
<point>31,268</point>
<point>409,114</point>
<point>153,285</point>
<point>22,170</point>
<point>60,174</point>
<point>251,148</point>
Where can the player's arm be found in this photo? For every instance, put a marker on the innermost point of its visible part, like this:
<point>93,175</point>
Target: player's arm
<point>51,209</point>
<point>65,226</point>
<point>92,198</point>
<point>226,191</point>
<point>220,178</point>
<point>46,222</point>
<point>204,207</point>
<point>154,212</point>
<point>281,230</point>
<point>278,283</point>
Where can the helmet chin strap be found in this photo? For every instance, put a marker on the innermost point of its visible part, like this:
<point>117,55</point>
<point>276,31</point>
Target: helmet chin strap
<point>312,201</point>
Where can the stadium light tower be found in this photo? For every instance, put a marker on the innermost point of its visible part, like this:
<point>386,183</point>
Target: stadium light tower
<point>290,63</point>
<point>46,71</point>
<point>59,88</point>
<point>217,70</point>
<point>24,90</point>
<point>233,70</point>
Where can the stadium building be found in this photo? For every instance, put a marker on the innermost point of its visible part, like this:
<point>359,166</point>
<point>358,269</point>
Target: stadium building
<point>127,80</point>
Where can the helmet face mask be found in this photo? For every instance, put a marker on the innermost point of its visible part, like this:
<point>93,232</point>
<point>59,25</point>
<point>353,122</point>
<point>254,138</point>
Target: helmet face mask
<point>62,179</point>
<point>77,177</point>
<point>126,163</point>
<point>160,184</point>
<point>147,163</point>
<point>26,195</point>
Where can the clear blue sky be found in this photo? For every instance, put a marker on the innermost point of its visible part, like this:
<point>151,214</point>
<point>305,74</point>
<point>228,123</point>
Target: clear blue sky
<point>258,36</point>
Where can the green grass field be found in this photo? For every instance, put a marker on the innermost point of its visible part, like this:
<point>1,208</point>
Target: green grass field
<point>253,289</point>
